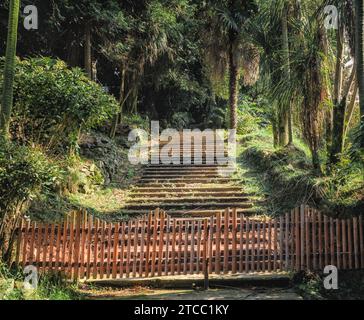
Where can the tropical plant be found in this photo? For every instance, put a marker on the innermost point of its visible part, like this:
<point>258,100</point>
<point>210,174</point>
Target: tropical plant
<point>228,48</point>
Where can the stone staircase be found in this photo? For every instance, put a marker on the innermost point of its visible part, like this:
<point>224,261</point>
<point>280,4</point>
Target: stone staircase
<point>187,190</point>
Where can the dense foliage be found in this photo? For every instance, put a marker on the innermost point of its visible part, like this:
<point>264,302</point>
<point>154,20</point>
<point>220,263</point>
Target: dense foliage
<point>53,103</point>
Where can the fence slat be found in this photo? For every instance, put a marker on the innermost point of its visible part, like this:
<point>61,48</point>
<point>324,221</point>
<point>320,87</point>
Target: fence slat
<point>96,244</point>
<point>64,243</point>
<point>71,244</point>
<point>281,220</point>
<point>234,239</point>
<point>147,251</point>
<point>51,248</point>
<point>115,250</point>
<point>241,243</point>
<point>142,245</point>
<point>180,239</point>
<point>247,243</point>
<point>275,248</point>
<point>320,240</point>
<point>218,237</point>
<point>161,242</point>
<point>58,247</point>
<point>199,234</point>
<point>355,232</point>
<point>302,234</point>
<point>166,261</point>
<point>154,248</point>
<point>205,246</point>
<point>344,248</point>
<point>338,246</point>
<point>77,244</point>
<point>83,244</point>
<point>210,245</point>
<point>258,256</point>
<point>332,241</point>
<point>264,246</point>
<point>361,241</point>
<point>287,234</point>
<point>350,245</point>
<point>226,241</point>
<point>128,250</point>
<point>45,246</point>
<point>192,248</point>
<point>297,238</point>
<point>314,239</point>
<point>38,245</point>
<point>186,228</point>
<point>252,255</point>
<point>307,238</point>
<point>122,251</point>
<point>135,246</point>
<point>89,245</point>
<point>269,245</point>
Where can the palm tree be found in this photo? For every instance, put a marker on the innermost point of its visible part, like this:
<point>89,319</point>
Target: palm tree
<point>228,45</point>
<point>7,97</point>
<point>359,41</point>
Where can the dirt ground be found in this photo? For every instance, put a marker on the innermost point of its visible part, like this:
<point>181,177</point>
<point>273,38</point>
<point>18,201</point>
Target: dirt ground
<point>141,293</point>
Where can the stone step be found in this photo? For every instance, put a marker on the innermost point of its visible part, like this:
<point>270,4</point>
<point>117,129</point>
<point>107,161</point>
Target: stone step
<point>181,185</point>
<point>186,166</point>
<point>186,194</point>
<point>189,200</point>
<point>199,205</point>
<point>167,180</point>
<point>186,170</point>
<point>190,213</point>
<point>184,176</point>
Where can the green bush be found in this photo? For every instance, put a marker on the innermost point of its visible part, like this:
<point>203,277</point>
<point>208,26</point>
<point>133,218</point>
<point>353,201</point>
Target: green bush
<point>53,103</point>
<point>24,172</point>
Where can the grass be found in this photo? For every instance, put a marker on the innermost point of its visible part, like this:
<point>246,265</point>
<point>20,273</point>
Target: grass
<point>50,287</point>
<point>283,178</point>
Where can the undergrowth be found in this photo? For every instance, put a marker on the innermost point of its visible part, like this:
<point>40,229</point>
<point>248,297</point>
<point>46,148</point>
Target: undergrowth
<point>311,286</point>
<point>50,287</point>
<point>283,178</point>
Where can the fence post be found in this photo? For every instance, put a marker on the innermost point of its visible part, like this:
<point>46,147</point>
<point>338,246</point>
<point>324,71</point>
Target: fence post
<point>206,274</point>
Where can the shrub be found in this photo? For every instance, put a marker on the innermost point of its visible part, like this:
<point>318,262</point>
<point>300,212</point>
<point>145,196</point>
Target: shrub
<point>24,173</point>
<point>53,103</point>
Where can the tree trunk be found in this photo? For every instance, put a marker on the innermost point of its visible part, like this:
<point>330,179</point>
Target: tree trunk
<point>339,122</point>
<point>275,133</point>
<point>88,54</point>
<point>117,118</point>
<point>338,131</point>
<point>287,74</point>
<point>9,69</point>
<point>359,41</point>
<point>350,111</point>
<point>335,142</point>
<point>233,89</point>
<point>283,126</point>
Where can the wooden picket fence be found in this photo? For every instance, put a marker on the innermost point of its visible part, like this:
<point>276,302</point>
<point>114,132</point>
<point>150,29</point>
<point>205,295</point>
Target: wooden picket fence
<point>158,245</point>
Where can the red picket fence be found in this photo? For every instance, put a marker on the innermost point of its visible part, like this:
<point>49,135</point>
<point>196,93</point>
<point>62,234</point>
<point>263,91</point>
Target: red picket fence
<point>158,245</point>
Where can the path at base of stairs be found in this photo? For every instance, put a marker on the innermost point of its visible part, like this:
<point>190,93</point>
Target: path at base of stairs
<point>211,294</point>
